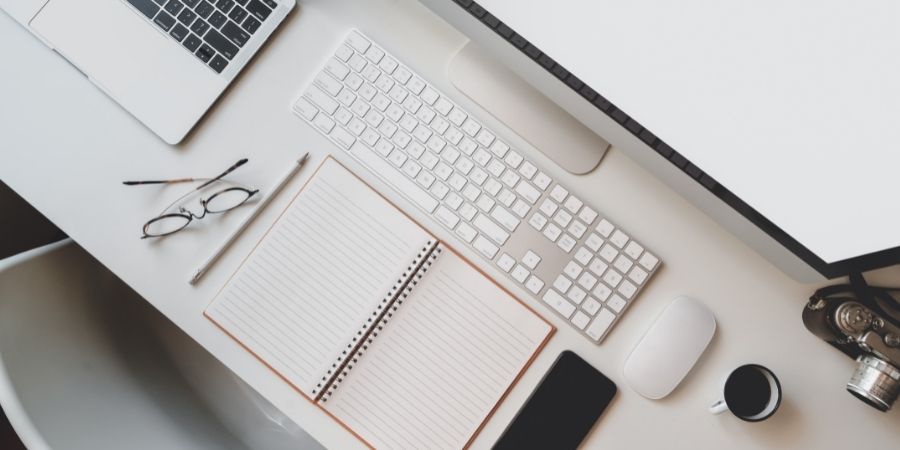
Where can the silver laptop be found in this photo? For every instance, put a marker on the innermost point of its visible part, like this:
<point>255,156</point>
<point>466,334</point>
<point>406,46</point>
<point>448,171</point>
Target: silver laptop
<point>165,61</point>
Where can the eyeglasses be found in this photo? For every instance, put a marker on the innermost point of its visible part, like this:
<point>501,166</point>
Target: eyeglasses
<point>226,197</point>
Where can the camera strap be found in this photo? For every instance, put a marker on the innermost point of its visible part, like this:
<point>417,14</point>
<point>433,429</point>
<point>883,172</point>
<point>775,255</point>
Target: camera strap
<point>876,298</point>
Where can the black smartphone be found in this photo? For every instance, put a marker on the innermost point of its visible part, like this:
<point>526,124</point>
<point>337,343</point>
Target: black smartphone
<point>562,409</point>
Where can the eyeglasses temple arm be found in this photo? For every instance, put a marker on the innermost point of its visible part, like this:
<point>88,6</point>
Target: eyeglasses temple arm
<point>226,172</point>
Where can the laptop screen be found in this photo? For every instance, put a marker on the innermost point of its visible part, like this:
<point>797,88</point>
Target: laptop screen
<point>791,106</point>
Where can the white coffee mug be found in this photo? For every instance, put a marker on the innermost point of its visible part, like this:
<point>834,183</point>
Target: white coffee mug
<point>752,393</point>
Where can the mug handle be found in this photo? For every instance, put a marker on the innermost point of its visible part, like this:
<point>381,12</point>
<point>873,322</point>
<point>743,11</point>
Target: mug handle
<point>718,407</point>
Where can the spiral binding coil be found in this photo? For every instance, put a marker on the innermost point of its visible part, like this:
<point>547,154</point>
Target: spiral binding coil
<point>360,334</point>
<point>385,318</point>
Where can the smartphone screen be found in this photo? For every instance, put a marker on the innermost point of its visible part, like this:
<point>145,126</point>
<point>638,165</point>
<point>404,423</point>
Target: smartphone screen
<point>562,409</point>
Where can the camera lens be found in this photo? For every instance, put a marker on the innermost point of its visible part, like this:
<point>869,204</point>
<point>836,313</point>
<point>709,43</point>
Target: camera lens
<point>875,382</point>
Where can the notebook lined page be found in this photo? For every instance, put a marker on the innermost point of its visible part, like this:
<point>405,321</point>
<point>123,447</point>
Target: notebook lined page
<point>442,362</point>
<point>317,276</point>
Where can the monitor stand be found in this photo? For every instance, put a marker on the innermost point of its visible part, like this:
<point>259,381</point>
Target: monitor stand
<point>536,118</point>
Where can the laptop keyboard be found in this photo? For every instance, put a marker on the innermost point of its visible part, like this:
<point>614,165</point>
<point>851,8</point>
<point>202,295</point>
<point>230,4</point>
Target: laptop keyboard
<point>213,32</point>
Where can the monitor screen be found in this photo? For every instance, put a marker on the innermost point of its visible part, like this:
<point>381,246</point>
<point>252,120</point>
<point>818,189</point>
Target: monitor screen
<point>793,107</point>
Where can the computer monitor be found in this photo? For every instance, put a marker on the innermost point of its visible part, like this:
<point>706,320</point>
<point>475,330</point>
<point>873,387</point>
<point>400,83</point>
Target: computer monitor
<point>778,120</point>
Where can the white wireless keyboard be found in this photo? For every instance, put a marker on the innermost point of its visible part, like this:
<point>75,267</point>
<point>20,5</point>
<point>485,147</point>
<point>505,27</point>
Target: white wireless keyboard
<point>444,160</point>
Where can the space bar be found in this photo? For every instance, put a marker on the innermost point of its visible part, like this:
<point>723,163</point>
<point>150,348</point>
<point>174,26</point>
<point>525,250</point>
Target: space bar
<point>393,177</point>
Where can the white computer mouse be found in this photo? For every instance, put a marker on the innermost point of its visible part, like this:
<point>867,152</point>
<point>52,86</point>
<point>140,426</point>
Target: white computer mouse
<point>669,349</point>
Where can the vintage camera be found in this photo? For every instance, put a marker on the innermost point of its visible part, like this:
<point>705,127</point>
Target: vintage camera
<point>864,335</point>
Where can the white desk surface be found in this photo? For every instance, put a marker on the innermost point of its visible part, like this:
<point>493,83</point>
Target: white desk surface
<point>66,148</point>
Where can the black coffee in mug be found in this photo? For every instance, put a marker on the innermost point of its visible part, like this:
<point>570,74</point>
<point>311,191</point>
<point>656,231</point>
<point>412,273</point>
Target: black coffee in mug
<point>752,393</point>
<point>747,391</point>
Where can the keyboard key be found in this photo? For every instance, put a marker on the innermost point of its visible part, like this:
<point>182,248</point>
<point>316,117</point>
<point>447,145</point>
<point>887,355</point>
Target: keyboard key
<point>605,228</point>
<point>573,270</point>
<point>490,229</point>
<point>623,264</point>
<point>608,253</point>
<point>534,284</point>
<point>616,303</point>
<point>205,53</point>
<point>593,242</point>
<point>601,291</point>
<point>251,25</point>
<point>638,275</point>
<point>580,320</point>
<point>528,192</point>
<point>521,208</point>
<point>562,218</point>
<point>306,109</point>
<point>649,261</point>
<point>577,229</point>
<point>146,7</point>
<point>164,21</point>
<point>506,262</point>
<point>587,281</point>
<point>199,27</point>
<point>204,9</point>
<point>558,303</point>
<point>499,149</point>
<point>531,259</point>
<point>217,19</point>
<point>358,42</point>
<point>322,100</point>
<point>562,284</point>
<point>591,306</point>
<point>548,207</point>
<point>537,221</point>
<point>612,278</point>
<point>174,7</point>
<point>583,256</point>
<point>527,170</point>
<point>573,204</point>
<point>443,106</point>
<point>466,232</point>
<point>218,64</point>
<point>587,215</point>
<point>485,247</point>
<point>446,217</point>
<point>187,17</point>
<point>179,32</point>
<point>192,42</point>
<point>505,218</point>
<point>238,14</point>
<point>323,122</point>
<point>224,5</point>
<point>235,34</point>
<point>552,232</point>
<point>343,138</point>
<point>542,181</point>
<point>619,238</point>
<point>576,295</point>
<point>600,325</point>
<point>634,250</point>
<point>627,290</point>
<point>566,243</point>
<point>559,193</point>
<point>190,3</point>
<point>598,267</point>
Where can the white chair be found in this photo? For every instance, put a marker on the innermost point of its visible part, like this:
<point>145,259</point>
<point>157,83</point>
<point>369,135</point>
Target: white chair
<point>85,363</point>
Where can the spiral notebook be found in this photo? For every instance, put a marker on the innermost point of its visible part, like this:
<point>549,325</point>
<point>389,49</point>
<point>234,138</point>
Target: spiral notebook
<point>370,316</point>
